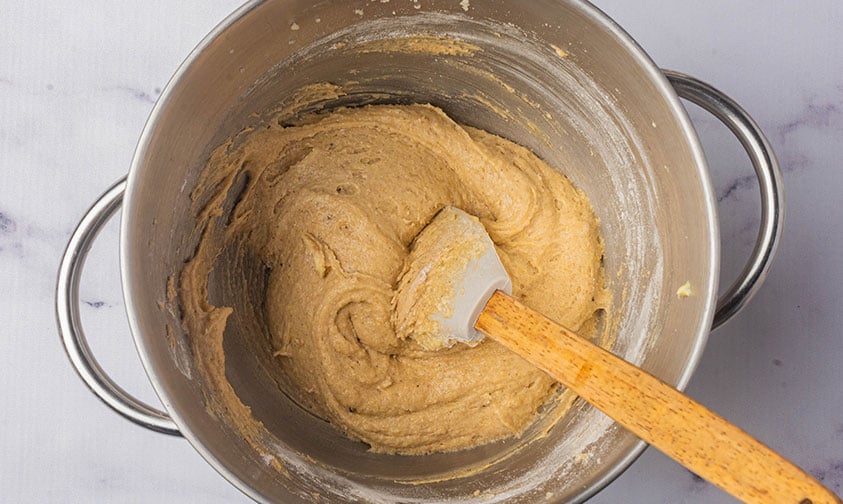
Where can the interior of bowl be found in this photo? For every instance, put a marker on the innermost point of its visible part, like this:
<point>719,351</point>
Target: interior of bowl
<point>556,77</point>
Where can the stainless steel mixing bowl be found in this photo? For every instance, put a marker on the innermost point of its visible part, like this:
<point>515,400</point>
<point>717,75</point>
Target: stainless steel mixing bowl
<point>556,76</point>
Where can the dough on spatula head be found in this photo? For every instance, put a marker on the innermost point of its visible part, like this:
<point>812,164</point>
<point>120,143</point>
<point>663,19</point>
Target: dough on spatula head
<point>450,274</point>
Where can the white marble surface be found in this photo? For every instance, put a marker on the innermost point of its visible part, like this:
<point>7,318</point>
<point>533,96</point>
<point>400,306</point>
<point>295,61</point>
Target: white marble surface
<point>77,80</point>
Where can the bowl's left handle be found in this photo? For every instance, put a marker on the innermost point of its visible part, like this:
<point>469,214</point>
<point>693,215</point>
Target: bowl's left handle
<point>70,326</point>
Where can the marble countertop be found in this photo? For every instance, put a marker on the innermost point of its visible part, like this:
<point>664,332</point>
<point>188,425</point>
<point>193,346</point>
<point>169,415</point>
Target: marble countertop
<point>78,79</point>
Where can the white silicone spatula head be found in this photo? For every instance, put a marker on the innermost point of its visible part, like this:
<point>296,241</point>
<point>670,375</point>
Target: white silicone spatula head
<point>451,272</point>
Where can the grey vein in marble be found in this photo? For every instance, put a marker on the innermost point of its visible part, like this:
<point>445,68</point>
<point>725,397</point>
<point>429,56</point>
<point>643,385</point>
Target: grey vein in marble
<point>822,115</point>
<point>138,94</point>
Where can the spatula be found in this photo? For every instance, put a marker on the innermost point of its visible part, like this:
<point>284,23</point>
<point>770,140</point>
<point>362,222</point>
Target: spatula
<point>456,291</point>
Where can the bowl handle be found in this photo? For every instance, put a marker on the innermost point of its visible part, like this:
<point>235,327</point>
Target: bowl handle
<point>70,326</point>
<point>769,179</point>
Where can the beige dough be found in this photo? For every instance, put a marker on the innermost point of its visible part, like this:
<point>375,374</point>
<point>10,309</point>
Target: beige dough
<point>330,209</point>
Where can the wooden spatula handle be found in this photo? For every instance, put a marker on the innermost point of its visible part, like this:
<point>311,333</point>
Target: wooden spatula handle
<point>683,429</point>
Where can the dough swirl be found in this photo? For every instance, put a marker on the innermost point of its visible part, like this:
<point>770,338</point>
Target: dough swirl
<point>330,207</point>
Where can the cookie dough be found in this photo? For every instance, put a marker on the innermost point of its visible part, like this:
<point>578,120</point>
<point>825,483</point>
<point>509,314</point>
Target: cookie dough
<point>329,208</point>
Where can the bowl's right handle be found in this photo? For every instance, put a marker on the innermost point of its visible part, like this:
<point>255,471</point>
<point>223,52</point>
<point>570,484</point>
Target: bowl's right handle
<point>70,324</point>
<point>769,179</point>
